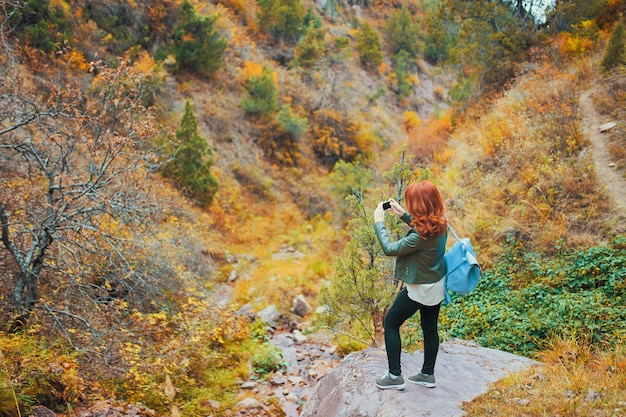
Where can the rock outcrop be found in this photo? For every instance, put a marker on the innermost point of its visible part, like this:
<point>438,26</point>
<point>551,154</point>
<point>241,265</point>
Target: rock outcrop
<point>464,370</point>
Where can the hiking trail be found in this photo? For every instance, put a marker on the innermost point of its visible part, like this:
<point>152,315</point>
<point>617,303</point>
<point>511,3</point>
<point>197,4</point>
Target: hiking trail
<point>607,176</point>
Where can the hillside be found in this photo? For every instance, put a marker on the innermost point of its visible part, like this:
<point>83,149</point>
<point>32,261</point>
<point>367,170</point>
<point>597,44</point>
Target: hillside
<point>135,260</point>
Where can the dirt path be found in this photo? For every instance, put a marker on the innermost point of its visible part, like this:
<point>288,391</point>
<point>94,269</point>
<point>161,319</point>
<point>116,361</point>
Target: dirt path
<point>608,177</point>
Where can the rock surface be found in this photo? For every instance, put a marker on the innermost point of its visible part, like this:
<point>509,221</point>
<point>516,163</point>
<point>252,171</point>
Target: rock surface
<point>464,370</point>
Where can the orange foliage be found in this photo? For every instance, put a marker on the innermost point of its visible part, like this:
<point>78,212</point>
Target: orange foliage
<point>158,12</point>
<point>334,138</point>
<point>77,60</point>
<point>426,140</point>
<point>253,72</point>
<point>243,8</point>
<point>279,145</point>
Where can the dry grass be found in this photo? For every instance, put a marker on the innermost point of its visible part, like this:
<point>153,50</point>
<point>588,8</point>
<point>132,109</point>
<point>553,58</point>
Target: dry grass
<point>573,380</point>
<point>520,168</point>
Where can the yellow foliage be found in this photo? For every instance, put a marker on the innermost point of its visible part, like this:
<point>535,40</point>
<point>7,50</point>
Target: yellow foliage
<point>496,133</point>
<point>32,372</point>
<point>144,62</point>
<point>577,45</point>
<point>251,69</point>
<point>61,7</point>
<point>78,61</point>
<point>411,121</point>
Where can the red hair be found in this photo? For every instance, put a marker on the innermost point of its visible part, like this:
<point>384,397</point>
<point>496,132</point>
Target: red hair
<point>425,204</point>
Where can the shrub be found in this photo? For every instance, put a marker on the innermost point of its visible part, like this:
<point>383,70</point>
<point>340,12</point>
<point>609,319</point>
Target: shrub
<point>44,25</point>
<point>261,93</point>
<point>34,373</point>
<point>335,138</point>
<point>528,298</point>
<point>268,359</point>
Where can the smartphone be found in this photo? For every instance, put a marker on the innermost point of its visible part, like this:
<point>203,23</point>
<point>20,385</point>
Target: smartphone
<point>386,205</point>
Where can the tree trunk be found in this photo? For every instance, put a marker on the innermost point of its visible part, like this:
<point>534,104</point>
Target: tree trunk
<point>379,332</point>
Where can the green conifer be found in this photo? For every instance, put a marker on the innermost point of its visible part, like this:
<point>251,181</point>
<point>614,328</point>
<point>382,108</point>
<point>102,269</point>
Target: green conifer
<point>191,164</point>
<point>616,51</point>
<point>369,47</point>
<point>198,47</point>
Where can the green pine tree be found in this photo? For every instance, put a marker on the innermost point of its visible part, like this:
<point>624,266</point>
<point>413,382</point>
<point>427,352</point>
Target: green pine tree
<point>282,18</point>
<point>311,47</point>
<point>404,33</point>
<point>616,51</point>
<point>197,46</point>
<point>369,47</point>
<point>401,67</point>
<point>363,287</point>
<point>191,162</point>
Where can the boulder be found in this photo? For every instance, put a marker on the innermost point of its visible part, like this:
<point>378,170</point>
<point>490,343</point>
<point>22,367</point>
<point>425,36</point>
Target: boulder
<point>270,315</point>
<point>300,306</point>
<point>41,411</point>
<point>464,370</point>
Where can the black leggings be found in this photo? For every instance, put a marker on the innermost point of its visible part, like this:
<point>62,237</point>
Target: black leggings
<point>400,311</point>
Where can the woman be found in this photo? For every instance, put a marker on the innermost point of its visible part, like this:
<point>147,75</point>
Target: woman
<point>421,267</point>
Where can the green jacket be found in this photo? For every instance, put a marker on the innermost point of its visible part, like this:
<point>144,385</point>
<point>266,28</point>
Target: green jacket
<point>419,261</point>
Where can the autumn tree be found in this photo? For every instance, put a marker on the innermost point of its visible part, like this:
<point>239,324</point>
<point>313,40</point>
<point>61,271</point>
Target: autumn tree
<point>72,165</point>
<point>363,286</point>
<point>616,51</point>
<point>191,162</point>
<point>369,47</point>
<point>197,46</point>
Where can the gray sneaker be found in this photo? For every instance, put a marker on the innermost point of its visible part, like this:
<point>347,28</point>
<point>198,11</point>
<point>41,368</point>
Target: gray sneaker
<point>386,382</point>
<point>424,380</point>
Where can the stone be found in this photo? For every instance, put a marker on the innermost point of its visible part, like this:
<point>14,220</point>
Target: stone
<point>463,371</point>
<point>607,126</point>
<point>269,315</point>
<point>233,276</point>
<point>322,310</point>
<point>246,311</point>
<point>592,395</point>
<point>298,337</point>
<point>278,380</point>
<point>248,385</point>
<point>41,411</point>
<point>249,403</point>
<point>300,306</point>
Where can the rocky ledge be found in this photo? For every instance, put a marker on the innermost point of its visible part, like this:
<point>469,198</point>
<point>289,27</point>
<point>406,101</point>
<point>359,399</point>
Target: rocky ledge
<point>464,370</point>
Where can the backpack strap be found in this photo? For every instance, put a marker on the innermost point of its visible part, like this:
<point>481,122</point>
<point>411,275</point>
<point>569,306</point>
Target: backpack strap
<point>458,239</point>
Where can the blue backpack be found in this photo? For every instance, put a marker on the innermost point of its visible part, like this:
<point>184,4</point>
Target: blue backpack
<point>463,269</point>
